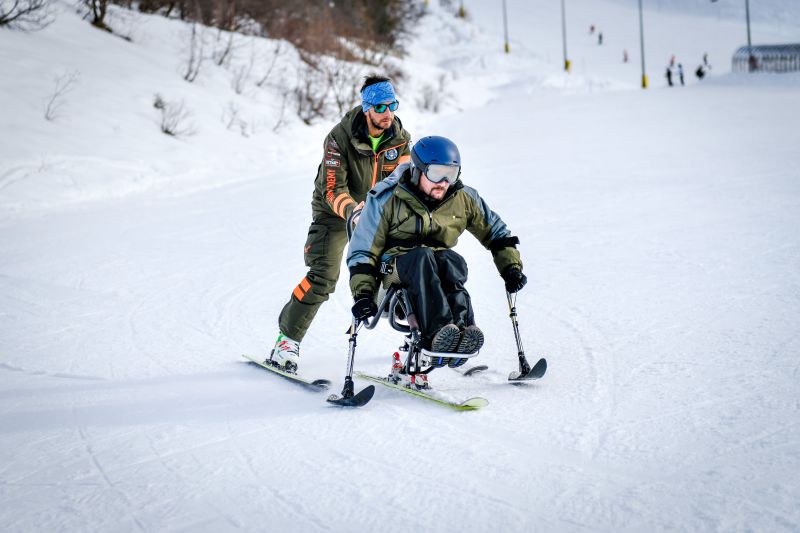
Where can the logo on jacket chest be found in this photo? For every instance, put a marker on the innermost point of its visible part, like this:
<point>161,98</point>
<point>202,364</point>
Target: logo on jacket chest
<point>391,154</point>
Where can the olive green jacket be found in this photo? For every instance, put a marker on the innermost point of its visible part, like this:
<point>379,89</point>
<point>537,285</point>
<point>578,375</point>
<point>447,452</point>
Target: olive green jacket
<point>350,168</point>
<point>395,219</point>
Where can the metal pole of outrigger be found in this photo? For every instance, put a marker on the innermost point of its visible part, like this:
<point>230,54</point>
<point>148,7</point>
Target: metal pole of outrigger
<point>524,367</point>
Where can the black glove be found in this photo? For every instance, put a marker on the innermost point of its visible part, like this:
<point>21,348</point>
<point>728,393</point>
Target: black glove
<point>514,279</point>
<point>365,306</point>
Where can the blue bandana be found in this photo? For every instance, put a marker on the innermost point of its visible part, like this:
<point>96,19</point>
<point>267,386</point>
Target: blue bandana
<point>378,93</point>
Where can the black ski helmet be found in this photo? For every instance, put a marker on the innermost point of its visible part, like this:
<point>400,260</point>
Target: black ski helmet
<point>433,150</point>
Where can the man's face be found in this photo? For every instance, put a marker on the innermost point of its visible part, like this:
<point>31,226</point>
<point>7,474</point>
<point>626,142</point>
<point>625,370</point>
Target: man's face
<point>434,190</point>
<point>381,121</point>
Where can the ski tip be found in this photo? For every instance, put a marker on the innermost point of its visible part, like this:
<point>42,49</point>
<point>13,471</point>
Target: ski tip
<point>474,403</point>
<point>475,370</point>
<point>322,384</point>
<point>536,372</point>
<point>539,368</point>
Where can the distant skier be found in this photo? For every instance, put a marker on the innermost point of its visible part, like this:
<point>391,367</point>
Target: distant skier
<point>668,75</point>
<point>624,56</point>
<point>700,72</point>
<point>366,146</point>
<point>704,68</point>
<point>680,74</point>
<point>600,38</point>
<point>591,29</point>
<point>410,223</point>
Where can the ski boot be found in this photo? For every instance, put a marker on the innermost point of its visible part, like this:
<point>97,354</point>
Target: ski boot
<point>471,340</point>
<point>286,354</point>
<point>446,339</point>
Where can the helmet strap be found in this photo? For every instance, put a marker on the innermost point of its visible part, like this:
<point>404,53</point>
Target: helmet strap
<point>415,175</point>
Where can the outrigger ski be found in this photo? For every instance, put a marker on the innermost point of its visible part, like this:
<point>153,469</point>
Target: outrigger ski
<point>470,404</point>
<point>356,400</point>
<point>316,385</point>
<point>470,371</point>
<point>536,372</point>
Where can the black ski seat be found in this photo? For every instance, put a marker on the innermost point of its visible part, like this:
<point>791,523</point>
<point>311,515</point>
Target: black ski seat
<point>393,303</point>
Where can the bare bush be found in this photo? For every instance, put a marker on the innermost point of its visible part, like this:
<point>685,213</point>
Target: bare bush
<point>224,48</point>
<point>25,15</point>
<point>194,59</point>
<point>233,121</point>
<point>432,97</point>
<point>313,25</point>
<point>342,82</point>
<point>55,103</point>
<point>98,8</point>
<point>242,73</point>
<point>281,122</point>
<point>276,52</point>
<point>325,87</point>
<point>164,7</point>
<point>175,118</point>
<point>310,96</point>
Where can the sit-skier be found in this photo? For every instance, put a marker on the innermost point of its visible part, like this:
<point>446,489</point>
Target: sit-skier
<point>410,222</point>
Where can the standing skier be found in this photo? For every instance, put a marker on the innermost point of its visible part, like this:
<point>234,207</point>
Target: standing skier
<point>411,222</point>
<point>366,146</point>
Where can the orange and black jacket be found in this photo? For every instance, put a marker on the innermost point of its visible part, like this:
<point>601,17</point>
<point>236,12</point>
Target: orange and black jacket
<point>350,168</point>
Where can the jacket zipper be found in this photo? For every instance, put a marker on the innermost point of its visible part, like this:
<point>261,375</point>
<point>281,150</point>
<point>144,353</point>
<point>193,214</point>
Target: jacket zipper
<point>430,215</point>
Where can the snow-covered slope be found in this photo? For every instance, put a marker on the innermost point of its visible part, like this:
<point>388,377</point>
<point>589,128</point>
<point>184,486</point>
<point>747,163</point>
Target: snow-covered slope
<point>105,139</point>
<point>659,232</point>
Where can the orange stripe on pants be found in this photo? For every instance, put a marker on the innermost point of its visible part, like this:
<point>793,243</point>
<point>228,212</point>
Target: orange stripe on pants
<point>301,290</point>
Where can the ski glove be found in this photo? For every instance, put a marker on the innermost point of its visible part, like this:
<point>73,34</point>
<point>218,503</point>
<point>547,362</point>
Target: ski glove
<point>514,279</point>
<point>364,307</point>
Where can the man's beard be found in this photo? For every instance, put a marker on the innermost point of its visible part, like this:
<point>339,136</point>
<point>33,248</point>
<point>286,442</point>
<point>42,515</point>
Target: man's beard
<point>433,198</point>
<point>377,125</point>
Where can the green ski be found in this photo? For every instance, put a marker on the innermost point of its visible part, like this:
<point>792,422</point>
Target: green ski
<point>317,384</point>
<point>470,404</point>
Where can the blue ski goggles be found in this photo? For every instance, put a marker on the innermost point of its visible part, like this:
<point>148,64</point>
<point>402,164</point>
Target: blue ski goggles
<point>439,173</point>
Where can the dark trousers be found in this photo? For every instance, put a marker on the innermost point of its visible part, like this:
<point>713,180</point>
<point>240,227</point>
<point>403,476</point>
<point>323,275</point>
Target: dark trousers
<point>435,283</point>
<point>322,252</point>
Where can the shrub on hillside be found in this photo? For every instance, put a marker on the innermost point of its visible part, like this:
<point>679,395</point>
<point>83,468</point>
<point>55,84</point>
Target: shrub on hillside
<point>175,117</point>
<point>316,26</point>
<point>25,15</point>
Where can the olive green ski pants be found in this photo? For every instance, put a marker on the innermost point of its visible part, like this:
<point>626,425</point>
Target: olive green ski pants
<point>327,238</point>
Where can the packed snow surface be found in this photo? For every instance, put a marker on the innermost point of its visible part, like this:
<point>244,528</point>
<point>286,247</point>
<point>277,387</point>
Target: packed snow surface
<point>660,232</point>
